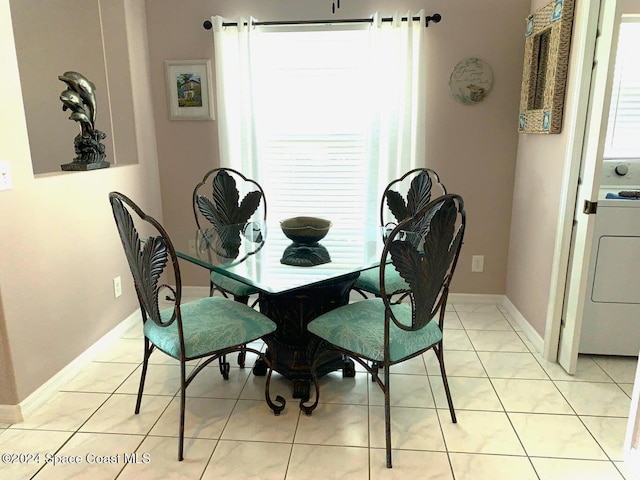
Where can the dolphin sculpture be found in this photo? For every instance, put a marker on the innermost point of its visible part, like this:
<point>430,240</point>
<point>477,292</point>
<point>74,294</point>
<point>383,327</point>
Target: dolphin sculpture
<point>83,87</point>
<point>79,97</point>
<point>83,120</point>
<point>71,101</point>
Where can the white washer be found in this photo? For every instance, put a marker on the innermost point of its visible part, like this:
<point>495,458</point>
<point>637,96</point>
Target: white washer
<point>611,320</point>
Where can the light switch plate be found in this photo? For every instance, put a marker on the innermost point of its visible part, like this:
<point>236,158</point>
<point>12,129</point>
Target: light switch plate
<point>5,176</point>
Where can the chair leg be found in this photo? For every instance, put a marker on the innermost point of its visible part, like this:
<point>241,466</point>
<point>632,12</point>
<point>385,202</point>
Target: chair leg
<point>183,399</point>
<point>439,353</point>
<point>148,348</point>
<point>375,367</point>
<point>225,368</point>
<point>242,354</point>
<point>387,415</point>
<point>222,361</point>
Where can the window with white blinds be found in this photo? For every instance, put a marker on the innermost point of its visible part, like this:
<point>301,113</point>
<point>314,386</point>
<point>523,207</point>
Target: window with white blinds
<point>312,123</point>
<point>623,131</point>
<point>314,174</point>
<point>322,116</point>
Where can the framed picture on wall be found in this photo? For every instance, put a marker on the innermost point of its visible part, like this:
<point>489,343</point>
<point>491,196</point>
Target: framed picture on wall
<point>189,89</point>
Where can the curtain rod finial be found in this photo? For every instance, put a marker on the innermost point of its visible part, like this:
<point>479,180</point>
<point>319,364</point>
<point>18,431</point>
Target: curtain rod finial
<point>207,25</point>
<point>435,18</point>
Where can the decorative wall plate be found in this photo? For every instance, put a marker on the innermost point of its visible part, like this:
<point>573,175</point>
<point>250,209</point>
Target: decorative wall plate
<point>470,81</point>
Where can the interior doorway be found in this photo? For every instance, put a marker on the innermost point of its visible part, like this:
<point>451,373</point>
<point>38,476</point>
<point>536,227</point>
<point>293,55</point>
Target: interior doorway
<point>564,328</point>
<point>599,26</point>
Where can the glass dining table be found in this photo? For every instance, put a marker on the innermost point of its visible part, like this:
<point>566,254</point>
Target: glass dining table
<point>297,282</point>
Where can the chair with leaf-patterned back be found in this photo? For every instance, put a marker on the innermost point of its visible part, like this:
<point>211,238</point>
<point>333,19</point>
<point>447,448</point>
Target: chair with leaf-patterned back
<point>422,185</point>
<point>207,329</point>
<point>228,202</point>
<point>424,250</point>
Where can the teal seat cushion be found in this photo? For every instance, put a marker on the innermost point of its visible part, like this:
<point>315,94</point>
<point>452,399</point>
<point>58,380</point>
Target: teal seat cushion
<point>209,324</point>
<point>231,285</point>
<point>359,328</point>
<point>369,281</point>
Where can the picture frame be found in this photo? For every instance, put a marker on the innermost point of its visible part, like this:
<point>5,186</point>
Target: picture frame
<point>189,89</point>
<point>546,64</point>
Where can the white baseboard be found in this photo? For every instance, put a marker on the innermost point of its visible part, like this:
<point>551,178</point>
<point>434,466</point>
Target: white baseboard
<point>464,298</point>
<point>17,413</point>
<point>534,337</point>
<point>10,414</point>
<point>475,298</point>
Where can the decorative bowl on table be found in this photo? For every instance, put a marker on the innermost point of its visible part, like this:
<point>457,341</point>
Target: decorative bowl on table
<point>305,230</point>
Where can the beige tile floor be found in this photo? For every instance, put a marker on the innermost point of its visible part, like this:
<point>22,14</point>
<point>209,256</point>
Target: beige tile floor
<point>519,417</point>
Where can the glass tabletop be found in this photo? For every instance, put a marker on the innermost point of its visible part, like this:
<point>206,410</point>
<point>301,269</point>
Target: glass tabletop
<point>259,254</point>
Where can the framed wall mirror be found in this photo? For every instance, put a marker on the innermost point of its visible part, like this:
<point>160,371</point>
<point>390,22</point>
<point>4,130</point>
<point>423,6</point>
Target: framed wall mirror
<point>546,62</point>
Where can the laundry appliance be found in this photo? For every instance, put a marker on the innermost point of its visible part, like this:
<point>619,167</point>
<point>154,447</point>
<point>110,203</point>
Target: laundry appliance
<point>611,316</point>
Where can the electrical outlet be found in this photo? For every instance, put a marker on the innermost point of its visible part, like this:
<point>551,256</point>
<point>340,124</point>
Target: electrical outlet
<point>5,176</point>
<point>477,263</point>
<point>117,287</point>
<point>192,247</point>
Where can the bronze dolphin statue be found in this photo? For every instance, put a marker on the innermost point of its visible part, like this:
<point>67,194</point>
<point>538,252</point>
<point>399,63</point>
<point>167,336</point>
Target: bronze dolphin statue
<point>71,101</point>
<point>85,88</point>
<point>85,124</point>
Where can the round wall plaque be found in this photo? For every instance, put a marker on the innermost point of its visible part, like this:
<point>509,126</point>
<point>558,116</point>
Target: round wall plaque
<point>470,81</point>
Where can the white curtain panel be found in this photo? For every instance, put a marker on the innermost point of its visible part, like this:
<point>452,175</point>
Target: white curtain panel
<point>234,92</point>
<point>397,79</point>
<point>399,67</point>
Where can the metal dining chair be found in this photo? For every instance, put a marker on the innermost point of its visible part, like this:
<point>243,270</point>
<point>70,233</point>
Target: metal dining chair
<point>421,184</point>
<point>424,249</point>
<point>207,329</point>
<point>224,198</point>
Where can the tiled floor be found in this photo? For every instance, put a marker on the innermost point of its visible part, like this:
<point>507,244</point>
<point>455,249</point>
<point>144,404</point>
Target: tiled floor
<point>518,418</point>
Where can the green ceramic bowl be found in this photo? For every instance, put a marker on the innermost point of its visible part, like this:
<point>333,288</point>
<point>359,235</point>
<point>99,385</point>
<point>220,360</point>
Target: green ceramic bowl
<point>307,230</point>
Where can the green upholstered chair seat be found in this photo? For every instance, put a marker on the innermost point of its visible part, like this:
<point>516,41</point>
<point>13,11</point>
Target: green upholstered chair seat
<point>369,281</point>
<point>235,287</point>
<point>359,328</point>
<point>209,324</point>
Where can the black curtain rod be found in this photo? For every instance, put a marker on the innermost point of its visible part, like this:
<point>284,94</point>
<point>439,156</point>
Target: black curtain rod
<point>435,18</point>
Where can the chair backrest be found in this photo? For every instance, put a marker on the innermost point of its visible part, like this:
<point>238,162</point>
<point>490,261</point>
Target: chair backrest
<point>424,249</point>
<point>150,257</point>
<point>420,185</point>
<point>232,204</point>
<point>225,197</point>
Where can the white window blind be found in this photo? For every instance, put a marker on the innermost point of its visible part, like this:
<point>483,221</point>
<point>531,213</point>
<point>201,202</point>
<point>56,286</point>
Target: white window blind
<point>623,131</point>
<point>312,120</point>
<point>325,174</point>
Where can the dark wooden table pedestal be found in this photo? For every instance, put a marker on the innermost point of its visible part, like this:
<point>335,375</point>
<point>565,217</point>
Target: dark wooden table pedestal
<point>291,345</point>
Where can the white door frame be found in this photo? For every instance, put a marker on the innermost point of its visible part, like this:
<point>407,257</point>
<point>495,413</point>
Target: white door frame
<point>598,103</point>
<point>581,181</point>
<point>583,46</point>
